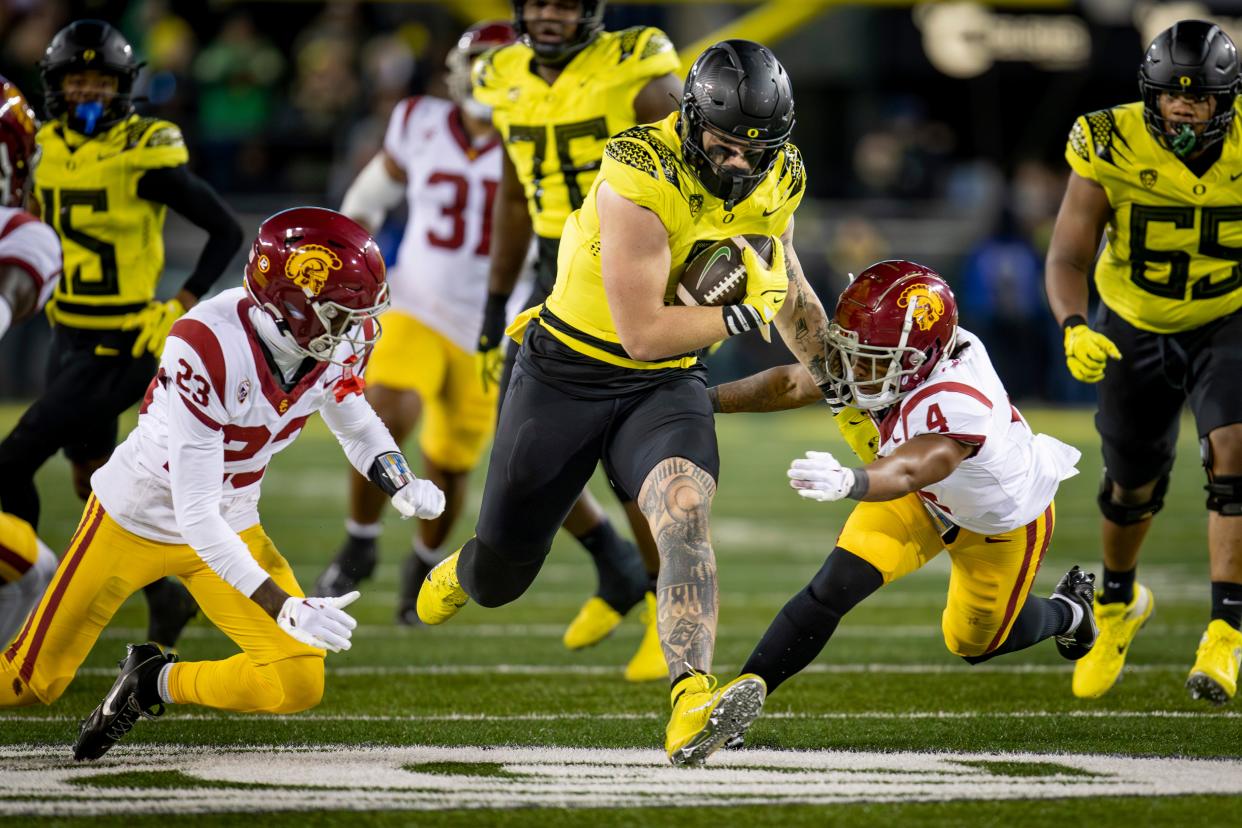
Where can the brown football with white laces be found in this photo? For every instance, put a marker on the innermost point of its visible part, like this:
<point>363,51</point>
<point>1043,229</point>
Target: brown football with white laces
<point>717,276</point>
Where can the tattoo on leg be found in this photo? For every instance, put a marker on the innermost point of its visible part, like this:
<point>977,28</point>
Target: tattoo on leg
<point>676,499</point>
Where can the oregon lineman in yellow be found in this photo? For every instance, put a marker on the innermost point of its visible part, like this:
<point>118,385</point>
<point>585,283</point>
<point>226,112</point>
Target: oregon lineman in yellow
<point>556,96</point>
<point>1159,175</point>
<point>616,362</point>
<point>104,182</point>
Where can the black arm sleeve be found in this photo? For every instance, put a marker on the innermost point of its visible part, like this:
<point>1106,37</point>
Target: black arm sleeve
<point>194,198</point>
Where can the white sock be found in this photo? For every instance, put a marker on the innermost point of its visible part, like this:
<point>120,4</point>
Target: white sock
<point>365,531</point>
<point>431,557</point>
<point>1075,609</point>
<point>162,685</point>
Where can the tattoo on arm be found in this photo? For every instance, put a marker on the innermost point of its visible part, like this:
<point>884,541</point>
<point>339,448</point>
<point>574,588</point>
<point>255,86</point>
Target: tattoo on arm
<point>676,499</point>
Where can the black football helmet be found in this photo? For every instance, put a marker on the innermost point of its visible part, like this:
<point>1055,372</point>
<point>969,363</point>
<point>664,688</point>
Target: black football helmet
<point>590,23</point>
<point>1194,57</point>
<point>81,46</point>
<point>738,91</point>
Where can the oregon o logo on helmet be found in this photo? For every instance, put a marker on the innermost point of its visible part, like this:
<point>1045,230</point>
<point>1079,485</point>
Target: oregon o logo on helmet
<point>752,133</point>
<point>1184,80</point>
<point>928,307</point>
<point>308,266</point>
<point>88,55</point>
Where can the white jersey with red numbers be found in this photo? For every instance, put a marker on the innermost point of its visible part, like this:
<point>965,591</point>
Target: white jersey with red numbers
<point>32,246</point>
<point>1013,473</point>
<point>440,276</point>
<point>213,418</point>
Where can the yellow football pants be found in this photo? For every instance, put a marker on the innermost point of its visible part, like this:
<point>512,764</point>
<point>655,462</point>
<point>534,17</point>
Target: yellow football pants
<point>103,566</point>
<point>18,548</point>
<point>458,416</point>
<point>990,575</point>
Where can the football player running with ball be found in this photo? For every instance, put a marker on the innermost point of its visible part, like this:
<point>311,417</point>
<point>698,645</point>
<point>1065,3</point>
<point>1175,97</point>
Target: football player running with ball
<point>443,158</point>
<point>556,96</point>
<point>1159,176</point>
<point>240,376</point>
<point>955,468</point>
<point>608,368</point>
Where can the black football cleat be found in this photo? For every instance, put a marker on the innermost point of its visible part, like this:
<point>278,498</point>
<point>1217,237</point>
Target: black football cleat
<point>413,573</point>
<point>351,566</point>
<point>1077,588</point>
<point>170,607</point>
<point>134,694</point>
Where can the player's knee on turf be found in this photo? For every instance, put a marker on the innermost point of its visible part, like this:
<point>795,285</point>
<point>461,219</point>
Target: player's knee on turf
<point>1126,507</point>
<point>965,642</point>
<point>301,683</point>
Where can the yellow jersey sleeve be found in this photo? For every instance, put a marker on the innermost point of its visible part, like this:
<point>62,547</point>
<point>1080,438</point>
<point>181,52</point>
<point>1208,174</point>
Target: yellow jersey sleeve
<point>485,82</point>
<point>1078,149</point>
<point>159,144</point>
<point>633,170</point>
<point>646,53</point>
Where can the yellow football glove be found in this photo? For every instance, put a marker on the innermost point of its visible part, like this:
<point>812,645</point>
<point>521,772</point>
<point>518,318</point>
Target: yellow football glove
<point>153,323</point>
<point>1087,352</point>
<point>766,285</point>
<point>490,365</point>
<point>489,357</point>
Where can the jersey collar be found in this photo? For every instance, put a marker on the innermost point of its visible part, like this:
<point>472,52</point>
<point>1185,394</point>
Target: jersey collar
<point>279,399</point>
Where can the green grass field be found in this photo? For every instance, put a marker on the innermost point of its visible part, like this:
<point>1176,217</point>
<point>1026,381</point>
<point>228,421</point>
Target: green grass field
<point>405,709</point>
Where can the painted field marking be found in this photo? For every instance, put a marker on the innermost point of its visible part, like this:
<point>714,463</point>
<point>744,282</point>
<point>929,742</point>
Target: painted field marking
<point>275,778</point>
<point>613,670</point>
<point>891,715</point>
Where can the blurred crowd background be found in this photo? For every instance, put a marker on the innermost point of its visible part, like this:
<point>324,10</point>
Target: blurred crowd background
<point>931,131</point>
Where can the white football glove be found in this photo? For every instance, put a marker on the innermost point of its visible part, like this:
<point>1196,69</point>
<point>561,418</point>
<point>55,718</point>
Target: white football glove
<point>420,499</point>
<point>319,622</point>
<point>820,477</point>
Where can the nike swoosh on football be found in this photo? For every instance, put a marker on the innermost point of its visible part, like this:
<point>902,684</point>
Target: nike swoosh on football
<point>994,540</point>
<point>724,251</point>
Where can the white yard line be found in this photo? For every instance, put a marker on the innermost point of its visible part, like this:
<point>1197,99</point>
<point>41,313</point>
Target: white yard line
<point>611,670</point>
<point>880,715</point>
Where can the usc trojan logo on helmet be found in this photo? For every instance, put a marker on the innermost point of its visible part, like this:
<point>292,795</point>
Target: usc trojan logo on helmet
<point>309,267</point>
<point>928,307</point>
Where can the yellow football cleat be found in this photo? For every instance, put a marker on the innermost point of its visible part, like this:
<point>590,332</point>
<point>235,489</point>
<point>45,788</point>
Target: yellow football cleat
<point>1097,671</point>
<point>648,662</point>
<point>704,718</point>
<point>441,596</point>
<point>1215,674</point>
<point>593,623</point>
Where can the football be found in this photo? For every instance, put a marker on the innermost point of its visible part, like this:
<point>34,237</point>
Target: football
<point>717,276</point>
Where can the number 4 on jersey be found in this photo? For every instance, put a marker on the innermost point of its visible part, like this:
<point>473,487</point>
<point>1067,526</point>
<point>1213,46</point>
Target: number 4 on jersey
<point>936,420</point>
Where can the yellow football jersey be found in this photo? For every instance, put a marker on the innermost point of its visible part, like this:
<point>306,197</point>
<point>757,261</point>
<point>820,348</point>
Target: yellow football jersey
<point>555,133</point>
<point>644,164</point>
<point>1174,239</point>
<point>86,189</point>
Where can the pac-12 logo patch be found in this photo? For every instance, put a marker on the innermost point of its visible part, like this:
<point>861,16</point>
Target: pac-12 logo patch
<point>309,266</point>
<point>928,306</point>
<point>243,391</point>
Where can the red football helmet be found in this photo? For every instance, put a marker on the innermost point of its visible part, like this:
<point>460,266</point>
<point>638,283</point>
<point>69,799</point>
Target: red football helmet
<point>18,151</point>
<point>320,275</point>
<point>893,325</point>
<point>474,41</point>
